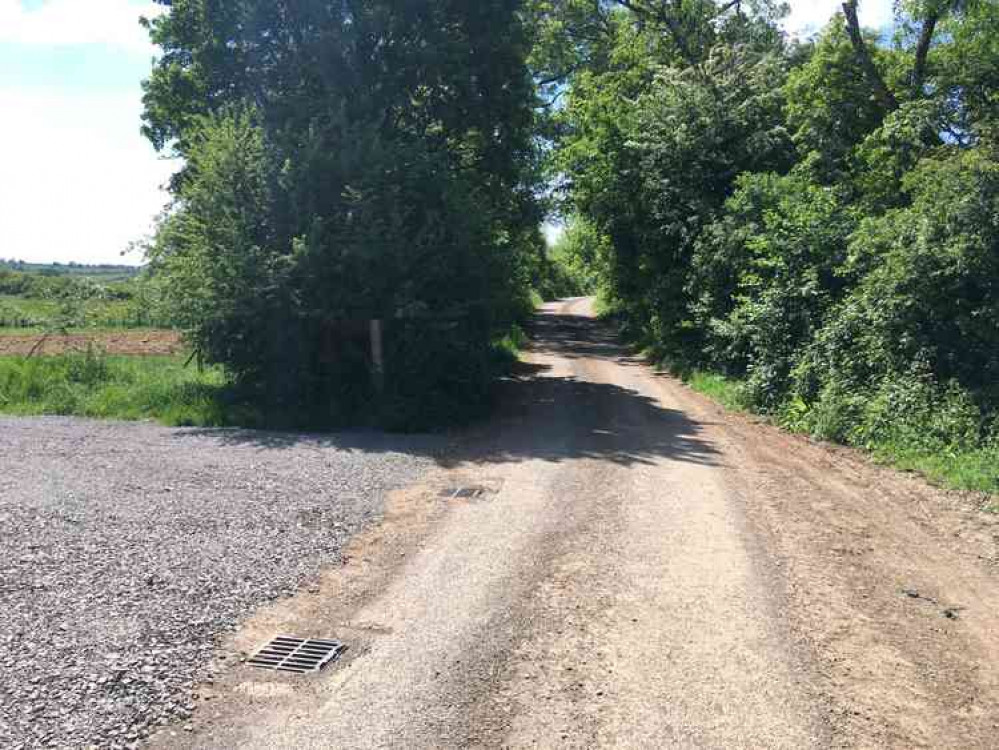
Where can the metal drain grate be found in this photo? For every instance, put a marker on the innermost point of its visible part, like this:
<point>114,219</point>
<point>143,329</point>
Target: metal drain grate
<point>466,492</point>
<point>483,488</point>
<point>290,654</point>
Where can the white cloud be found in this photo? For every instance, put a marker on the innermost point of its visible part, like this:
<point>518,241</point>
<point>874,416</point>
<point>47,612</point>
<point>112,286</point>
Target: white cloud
<point>63,22</point>
<point>79,182</point>
<point>809,16</point>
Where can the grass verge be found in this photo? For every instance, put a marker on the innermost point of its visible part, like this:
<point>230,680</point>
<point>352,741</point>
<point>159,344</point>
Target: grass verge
<point>975,469</point>
<point>725,391</point>
<point>507,349</point>
<point>96,385</point>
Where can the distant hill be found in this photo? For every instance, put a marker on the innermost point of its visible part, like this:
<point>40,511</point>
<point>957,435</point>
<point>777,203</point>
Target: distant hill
<point>103,272</point>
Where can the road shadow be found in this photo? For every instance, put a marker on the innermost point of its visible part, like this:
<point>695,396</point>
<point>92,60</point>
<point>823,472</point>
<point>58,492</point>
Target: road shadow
<point>359,440</point>
<point>551,418</point>
<point>576,337</point>
<point>537,416</point>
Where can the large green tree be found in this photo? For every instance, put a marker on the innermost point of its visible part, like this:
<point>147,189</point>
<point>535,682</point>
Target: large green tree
<point>347,161</point>
<point>815,217</point>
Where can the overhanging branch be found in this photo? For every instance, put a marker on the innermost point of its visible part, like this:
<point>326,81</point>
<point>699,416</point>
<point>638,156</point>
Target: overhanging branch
<point>881,92</point>
<point>923,51</point>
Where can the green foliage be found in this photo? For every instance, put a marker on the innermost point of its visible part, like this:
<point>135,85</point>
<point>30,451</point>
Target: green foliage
<point>908,423</point>
<point>33,299</point>
<point>789,275</point>
<point>582,253</point>
<point>651,146</point>
<point>347,164</point>
<point>829,104</point>
<point>964,66</point>
<point>212,254</point>
<point>729,393</point>
<point>909,420</point>
<point>554,281</point>
<point>818,222</point>
<point>92,384</point>
<point>437,373</point>
<point>926,292</point>
<point>568,268</point>
<point>18,312</point>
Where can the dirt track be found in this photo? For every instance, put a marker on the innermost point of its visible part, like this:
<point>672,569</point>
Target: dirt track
<point>131,342</point>
<point>645,571</point>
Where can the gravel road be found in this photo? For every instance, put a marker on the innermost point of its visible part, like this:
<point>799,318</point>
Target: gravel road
<point>128,550</point>
<point>640,569</point>
<point>643,570</point>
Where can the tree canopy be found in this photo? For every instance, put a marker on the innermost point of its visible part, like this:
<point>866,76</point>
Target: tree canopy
<point>816,218</point>
<point>346,162</point>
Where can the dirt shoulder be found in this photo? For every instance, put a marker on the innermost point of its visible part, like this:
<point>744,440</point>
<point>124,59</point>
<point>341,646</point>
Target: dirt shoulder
<point>891,583</point>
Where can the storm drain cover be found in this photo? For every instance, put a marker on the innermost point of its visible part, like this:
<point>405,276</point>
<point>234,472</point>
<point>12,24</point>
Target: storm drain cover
<point>290,654</point>
<point>466,492</point>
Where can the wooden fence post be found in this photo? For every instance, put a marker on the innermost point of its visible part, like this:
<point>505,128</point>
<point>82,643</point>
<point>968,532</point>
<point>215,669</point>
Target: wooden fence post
<point>377,357</point>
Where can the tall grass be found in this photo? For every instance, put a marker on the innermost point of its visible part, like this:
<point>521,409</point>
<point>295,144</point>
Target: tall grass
<point>507,348</point>
<point>723,390</point>
<point>92,384</point>
<point>914,441</point>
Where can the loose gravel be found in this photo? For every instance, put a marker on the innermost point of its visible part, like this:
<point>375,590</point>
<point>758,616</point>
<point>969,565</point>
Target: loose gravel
<point>127,550</point>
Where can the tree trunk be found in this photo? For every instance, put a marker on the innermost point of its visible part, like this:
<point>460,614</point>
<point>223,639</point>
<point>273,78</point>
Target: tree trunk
<point>881,92</point>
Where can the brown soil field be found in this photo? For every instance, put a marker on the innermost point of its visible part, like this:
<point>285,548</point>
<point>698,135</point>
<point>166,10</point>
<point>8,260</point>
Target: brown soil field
<point>130,342</point>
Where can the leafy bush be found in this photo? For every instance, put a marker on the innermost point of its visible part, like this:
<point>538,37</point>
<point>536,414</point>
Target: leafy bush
<point>793,237</point>
<point>313,199</point>
<point>912,412</point>
<point>437,372</point>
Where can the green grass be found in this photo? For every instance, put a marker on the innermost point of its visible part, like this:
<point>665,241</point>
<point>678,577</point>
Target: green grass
<point>603,307</point>
<point>95,385</point>
<point>93,313</point>
<point>725,391</point>
<point>974,469</point>
<point>507,348</point>
<point>24,308</point>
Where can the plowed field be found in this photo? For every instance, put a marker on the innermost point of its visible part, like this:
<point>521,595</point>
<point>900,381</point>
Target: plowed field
<point>132,342</point>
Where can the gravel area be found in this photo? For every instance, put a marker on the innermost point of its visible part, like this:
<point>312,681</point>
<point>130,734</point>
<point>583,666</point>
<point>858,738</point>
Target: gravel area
<point>128,549</point>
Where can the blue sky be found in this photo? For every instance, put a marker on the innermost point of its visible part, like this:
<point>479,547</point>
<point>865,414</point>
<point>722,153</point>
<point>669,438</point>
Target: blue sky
<point>79,181</point>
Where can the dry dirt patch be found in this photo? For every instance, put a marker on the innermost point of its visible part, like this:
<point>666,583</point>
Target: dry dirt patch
<point>130,342</point>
